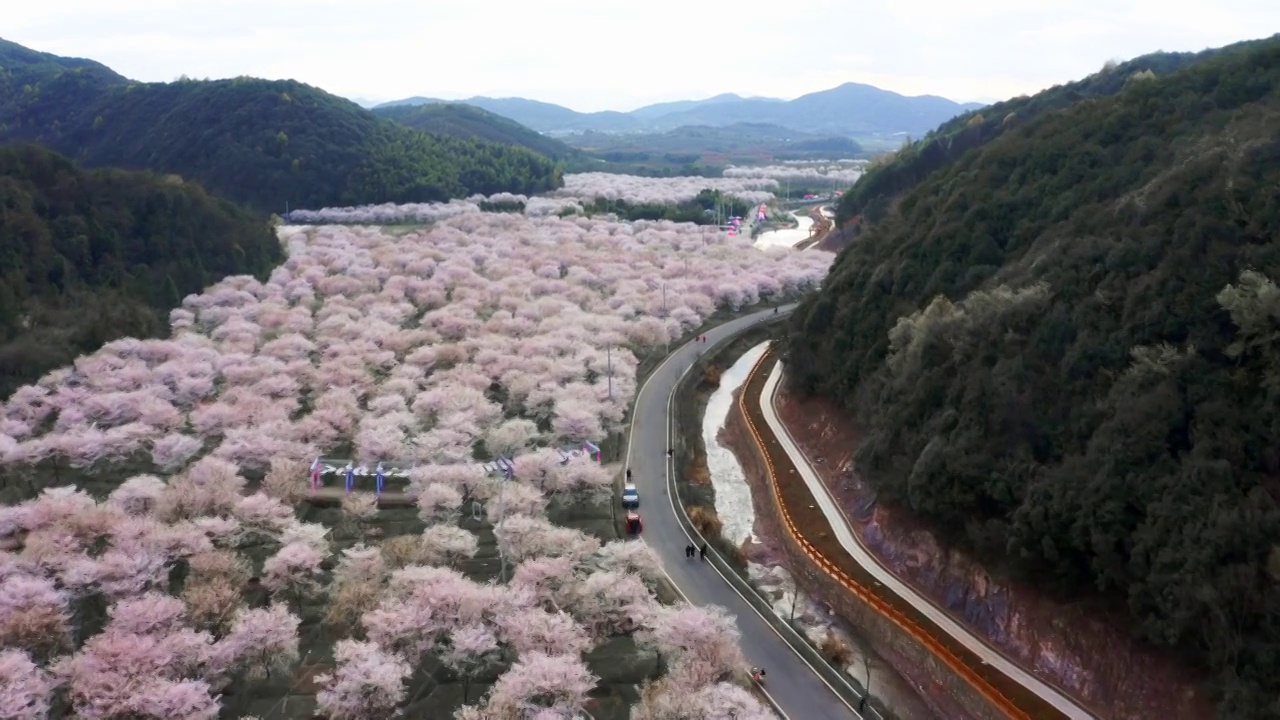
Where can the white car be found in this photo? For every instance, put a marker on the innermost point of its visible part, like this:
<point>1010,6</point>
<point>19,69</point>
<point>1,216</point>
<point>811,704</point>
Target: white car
<point>630,496</point>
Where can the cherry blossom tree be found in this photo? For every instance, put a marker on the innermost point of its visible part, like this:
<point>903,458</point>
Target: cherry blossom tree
<point>149,614</point>
<point>423,605</point>
<point>213,588</point>
<point>287,480</point>
<point>576,422</point>
<point>703,642</point>
<point>367,684</point>
<point>511,438</point>
<point>117,572</point>
<point>439,503</point>
<point>359,506</point>
<point>629,557</point>
<point>538,468</point>
<point>356,588</point>
<point>312,535</point>
<point>582,479</point>
<point>138,495</point>
<point>469,648</point>
<point>26,690</point>
<point>174,450</point>
<point>515,498</point>
<point>552,581</point>
<point>34,615</point>
<point>447,545</point>
<point>209,487</point>
<point>611,603</point>
<point>637,190</point>
<point>671,698</point>
<point>520,537</point>
<point>846,173</point>
<point>293,573</point>
<point>262,515</point>
<point>261,640</point>
<point>483,335</point>
<point>146,663</point>
<point>538,682</point>
<point>534,629</point>
<point>467,478</point>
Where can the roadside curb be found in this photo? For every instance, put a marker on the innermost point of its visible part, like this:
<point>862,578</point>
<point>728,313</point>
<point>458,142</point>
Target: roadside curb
<point>871,599</point>
<point>833,678</point>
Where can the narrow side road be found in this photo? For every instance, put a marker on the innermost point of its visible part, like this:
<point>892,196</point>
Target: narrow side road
<point>792,684</point>
<point>1018,691</point>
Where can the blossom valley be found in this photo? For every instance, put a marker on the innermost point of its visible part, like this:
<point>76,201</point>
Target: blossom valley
<point>203,567</point>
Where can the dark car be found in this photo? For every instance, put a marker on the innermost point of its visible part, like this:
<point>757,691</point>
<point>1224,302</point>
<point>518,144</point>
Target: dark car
<point>630,496</point>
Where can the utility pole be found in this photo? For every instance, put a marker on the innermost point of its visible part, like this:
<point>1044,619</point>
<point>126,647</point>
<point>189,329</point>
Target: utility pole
<point>795,595</point>
<point>866,688</point>
<point>609,359</point>
<point>664,299</point>
<point>502,489</point>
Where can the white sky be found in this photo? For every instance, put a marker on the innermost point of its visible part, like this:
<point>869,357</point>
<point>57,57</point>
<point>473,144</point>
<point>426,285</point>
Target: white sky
<point>605,54</point>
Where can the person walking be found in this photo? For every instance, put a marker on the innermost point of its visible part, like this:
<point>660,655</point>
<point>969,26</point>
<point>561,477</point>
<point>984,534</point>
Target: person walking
<point>702,553</point>
<point>628,474</point>
<point>688,551</point>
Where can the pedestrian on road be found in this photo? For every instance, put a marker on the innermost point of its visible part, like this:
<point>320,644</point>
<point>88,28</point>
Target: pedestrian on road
<point>688,551</point>
<point>628,473</point>
<point>702,553</point>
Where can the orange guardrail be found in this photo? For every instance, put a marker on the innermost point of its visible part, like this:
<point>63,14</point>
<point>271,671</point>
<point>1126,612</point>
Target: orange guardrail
<point>943,653</point>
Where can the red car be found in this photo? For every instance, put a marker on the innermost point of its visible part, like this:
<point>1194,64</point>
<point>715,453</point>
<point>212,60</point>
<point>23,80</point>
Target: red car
<point>634,524</point>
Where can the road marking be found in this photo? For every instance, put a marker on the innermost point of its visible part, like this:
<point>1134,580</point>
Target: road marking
<point>678,510</point>
<point>959,627</point>
<point>873,600</point>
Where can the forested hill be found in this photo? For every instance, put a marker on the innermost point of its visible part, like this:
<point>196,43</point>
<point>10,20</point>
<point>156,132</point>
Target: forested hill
<point>90,256</point>
<point>1065,351</point>
<point>21,66</point>
<point>261,142</point>
<point>871,196</point>
<point>470,122</point>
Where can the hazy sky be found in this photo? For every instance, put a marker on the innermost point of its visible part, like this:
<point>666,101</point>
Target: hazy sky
<point>609,54</point>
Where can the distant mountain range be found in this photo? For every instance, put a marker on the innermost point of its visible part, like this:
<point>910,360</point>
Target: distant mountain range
<point>469,121</point>
<point>268,144</point>
<point>852,109</point>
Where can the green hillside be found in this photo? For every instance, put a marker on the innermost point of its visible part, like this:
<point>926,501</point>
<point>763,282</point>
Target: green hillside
<point>883,182</point>
<point>90,256</point>
<point>1064,347</point>
<point>469,122</point>
<point>21,66</point>
<point>261,142</point>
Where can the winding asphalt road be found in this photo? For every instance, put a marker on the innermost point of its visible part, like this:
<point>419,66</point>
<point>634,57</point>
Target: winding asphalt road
<point>852,544</point>
<point>792,684</point>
